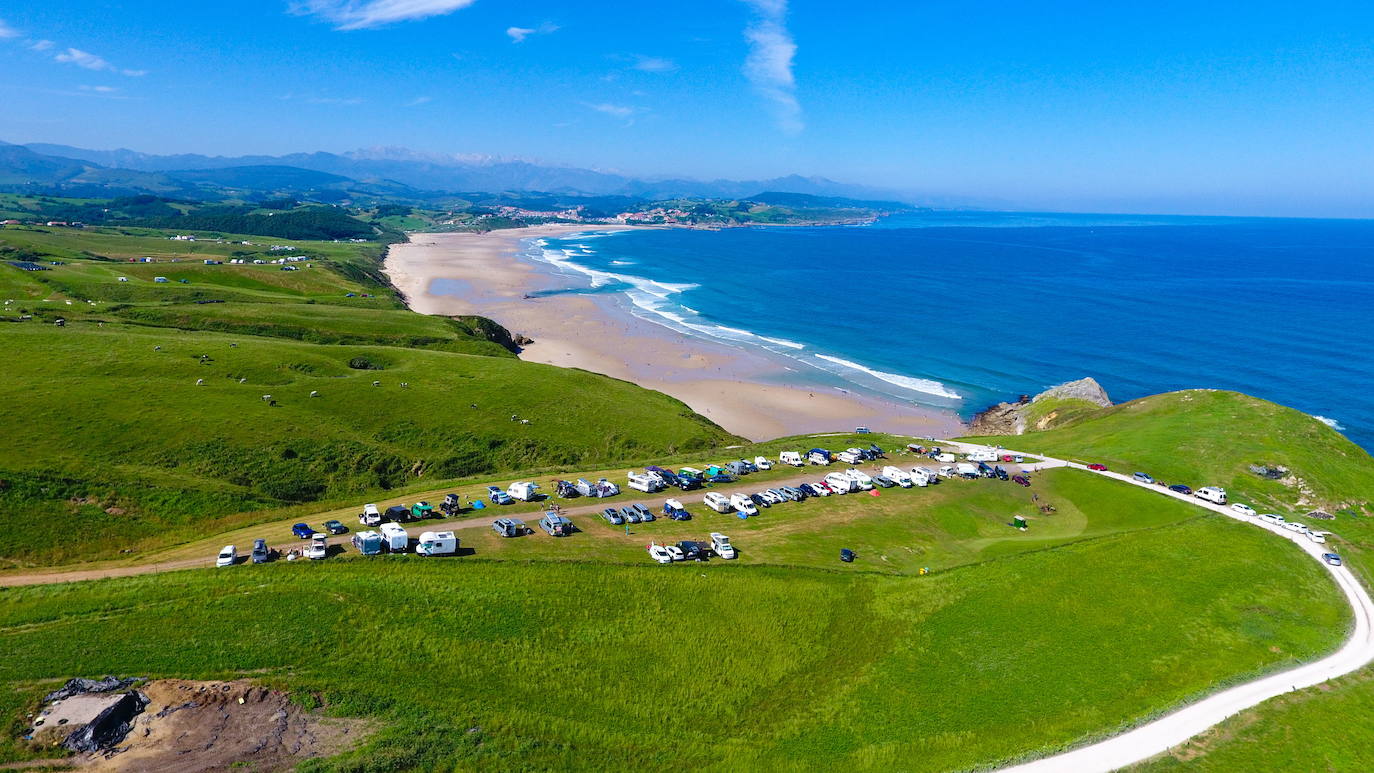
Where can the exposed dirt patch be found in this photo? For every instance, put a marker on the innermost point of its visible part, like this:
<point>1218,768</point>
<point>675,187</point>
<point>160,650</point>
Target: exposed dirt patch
<point>197,726</point>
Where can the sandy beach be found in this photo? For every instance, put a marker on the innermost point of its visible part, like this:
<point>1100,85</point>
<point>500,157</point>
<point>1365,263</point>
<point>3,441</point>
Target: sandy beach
<point>734,387</point>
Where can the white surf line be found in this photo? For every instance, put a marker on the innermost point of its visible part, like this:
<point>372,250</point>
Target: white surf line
<point>1160,735</point>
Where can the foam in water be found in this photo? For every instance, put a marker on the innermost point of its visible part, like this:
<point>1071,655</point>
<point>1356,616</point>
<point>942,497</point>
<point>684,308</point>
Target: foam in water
<point>923,385</point>
<point>1332,423</point>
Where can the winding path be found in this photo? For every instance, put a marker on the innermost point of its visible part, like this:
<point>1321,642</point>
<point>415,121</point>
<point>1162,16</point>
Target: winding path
<point>1160,735</point>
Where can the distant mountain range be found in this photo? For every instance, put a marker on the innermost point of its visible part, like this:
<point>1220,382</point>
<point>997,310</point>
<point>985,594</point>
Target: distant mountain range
<point>389,172</point>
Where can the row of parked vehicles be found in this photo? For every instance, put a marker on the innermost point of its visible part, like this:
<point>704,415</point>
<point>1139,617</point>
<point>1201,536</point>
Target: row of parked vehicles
<point>692,550</point>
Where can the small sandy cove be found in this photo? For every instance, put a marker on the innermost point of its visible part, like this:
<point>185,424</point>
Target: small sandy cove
<point>727,384</point>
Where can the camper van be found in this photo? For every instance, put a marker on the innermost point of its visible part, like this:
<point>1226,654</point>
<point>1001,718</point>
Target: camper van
<point>923,477</point>
<point>645,482</point>
<point>556,525</point>
<point>319,548</point>
<point>849,456</point>
<point>984,455</point>
<point>367,543</point>
<point>1213,494</point>
<point>397,514</point>
<point>371,516</point>
<point>898,475</point>
<point>743,504</point>
<point>818,456</point>
<point>840,483</point>
<point>437,543</point>
<point>717,502</point>
<point>790,457</point>
<point>861,479</point>
<point>720,545</point>
<point>508,527</point>
<point>945,457</point>
<point>394,538</point>
<point>762,463</point>
<point>523,491</point>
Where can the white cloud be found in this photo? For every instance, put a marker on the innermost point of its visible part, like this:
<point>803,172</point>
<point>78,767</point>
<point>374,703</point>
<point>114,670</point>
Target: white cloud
<point>99,89</point>
<point>41,45</point>
<point>654,64</point>
<point>416,102</point>
<point>6,31</point>
<point>518,34</point>
<point>92,62</point>
<point>362,14</point>
<point>313,99</point>
<point>769,63</point>
<point>617,111</point>
<point>134,73</point>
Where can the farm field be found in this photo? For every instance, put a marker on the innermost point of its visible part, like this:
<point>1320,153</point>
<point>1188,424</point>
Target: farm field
<point>863,670</point>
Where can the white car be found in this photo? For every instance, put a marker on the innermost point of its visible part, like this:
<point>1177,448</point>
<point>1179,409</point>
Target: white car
<point>721,545</point>
<point>771,497</point>
<point>318,548</point>
<point>1318,537</point>
<point>744,504</point>
<point>947,472</point>
<point>660,553</point>
<point>822,489</point>
<point>1295,526</point>
<point>228,555</point>
<point>1243,509</point>
<point>762,463</point>
<point>1271,518</point>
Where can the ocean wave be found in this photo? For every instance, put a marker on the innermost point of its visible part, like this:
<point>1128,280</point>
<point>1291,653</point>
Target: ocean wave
<point>620,262</point>
<point>784,342</point>
<point>1332,423</point>
<point>922,385</point>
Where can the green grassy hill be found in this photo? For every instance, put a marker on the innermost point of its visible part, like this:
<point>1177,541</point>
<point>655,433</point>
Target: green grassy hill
<point>1210,438</point>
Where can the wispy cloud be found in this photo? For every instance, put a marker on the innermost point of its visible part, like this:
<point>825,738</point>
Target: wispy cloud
<point>363,14</point>
<point>99,89</point>
<point>618,111</point>
<point>315,99</point>
<point>518,34</point>
<point>6,31</point>
<point>769,63</point>
<point>416,102</point>
<point>654,64</point>
<point>92,62</point>
<point>41,45</point>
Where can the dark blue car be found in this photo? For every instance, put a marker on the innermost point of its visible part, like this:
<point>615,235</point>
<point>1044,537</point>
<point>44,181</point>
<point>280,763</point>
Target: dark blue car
<point>303,531</point>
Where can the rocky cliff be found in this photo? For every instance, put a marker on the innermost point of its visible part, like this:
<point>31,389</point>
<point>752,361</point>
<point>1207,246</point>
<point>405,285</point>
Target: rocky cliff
<point>1042,411</point>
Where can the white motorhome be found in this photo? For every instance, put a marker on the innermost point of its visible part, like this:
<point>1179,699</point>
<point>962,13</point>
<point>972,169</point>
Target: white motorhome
<point>840,483</point>
<point>371,516</point>
<point>790,457</point>
<point>1213,494</point>
<point>394,538</point>
<point>982,455</point>
<point>437,543</point>
<point>898,475</point>
<point>644,482</point>
<point>860,478</point>
<point>922,477</point>
<point>848,457</point>
<point>720,544</point>
<point>525,491</point>
<point>717,502</point>
<point>945,458</point>
<point>743,504</point>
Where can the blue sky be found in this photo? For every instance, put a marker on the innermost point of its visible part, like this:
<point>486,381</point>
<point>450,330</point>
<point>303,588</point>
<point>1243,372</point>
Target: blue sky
<point>1220,107</point>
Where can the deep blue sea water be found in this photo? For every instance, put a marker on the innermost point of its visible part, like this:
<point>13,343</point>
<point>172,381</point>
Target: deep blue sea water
<point>960,310</point>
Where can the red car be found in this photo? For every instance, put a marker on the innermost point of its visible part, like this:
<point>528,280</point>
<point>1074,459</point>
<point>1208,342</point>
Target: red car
<point>1098,467</point>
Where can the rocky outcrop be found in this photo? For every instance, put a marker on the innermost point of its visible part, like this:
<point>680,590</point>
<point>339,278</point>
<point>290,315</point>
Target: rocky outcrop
<point>1013,418</point>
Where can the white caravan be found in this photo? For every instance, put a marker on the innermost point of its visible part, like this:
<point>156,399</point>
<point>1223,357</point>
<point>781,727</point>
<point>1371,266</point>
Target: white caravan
<point>848,457</point>
<point>922,477</point>
<point>523,491</point>
<point>861,479</point>
<point>790,457</point>
<point>982,456</point>
<point>840,483</point>
<point>1213,494</point>
<point>394,538</point>
<point>898,475</point>
<point>437,543</point>
<point>647,483</point>
<point>717,502</point>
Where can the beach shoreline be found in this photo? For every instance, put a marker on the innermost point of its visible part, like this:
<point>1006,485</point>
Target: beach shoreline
<point>739,389</point>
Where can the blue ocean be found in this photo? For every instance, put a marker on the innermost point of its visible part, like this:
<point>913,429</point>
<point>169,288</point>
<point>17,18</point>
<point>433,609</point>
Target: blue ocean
<point>962,309</point>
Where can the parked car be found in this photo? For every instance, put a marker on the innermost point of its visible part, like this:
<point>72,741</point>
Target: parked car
<point>1143,477</point>
<point>613,516</point>
<point>499,497</point>
<point>509,527</point>
<point>1332,558</point>
<point>556,525</point>
<point>228,555</point>
<point>644,513</point>
<point>775,495</point>
<point>1243,509</point>
<point>318,548</point>
<point>1094,466</point>
<point>629,514</point>
<point>721,478</point>
<point>762,463</point>
<point>302,531</point>
<point>693,550</point>
<point>1277,520</point>
<point>1180,488</point>
<point>674,509</point>
<point>759,500</point>
<point>1317,536</point>
<point>822,488</point>
<point>884,481</point>
<point>791,494</point>
<point>1020,480</point>
<point>1301,528</point>
<point>847,555</point>
<point>660,553</point>
<point>809,490</point>
<point>261,553</point>
<point>334,527</point>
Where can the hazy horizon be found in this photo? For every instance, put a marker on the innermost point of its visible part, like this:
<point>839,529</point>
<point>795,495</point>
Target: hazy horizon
<point>1232,109</point>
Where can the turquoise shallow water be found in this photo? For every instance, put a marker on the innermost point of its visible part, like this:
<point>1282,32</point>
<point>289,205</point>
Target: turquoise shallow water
<point>959,310</point>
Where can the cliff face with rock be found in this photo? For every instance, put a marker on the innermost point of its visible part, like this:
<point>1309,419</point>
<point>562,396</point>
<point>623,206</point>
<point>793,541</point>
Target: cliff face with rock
<point>1043,411</point>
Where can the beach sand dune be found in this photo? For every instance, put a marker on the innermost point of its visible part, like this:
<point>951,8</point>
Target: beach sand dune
<point>737,388</point>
